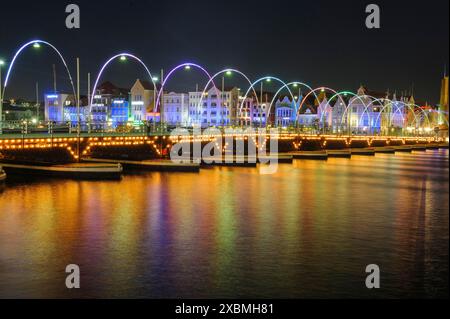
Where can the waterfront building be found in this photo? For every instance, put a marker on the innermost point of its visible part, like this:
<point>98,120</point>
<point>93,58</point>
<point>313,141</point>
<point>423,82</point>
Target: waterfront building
<point>366,113</point>
<point>307,117</point>
<point>376,112</point>
<point>244,114</point>
<point>261,112</point>
<point>257,111</point>
<point>214,107</point>
<point>176,109</point>
<point>392,114</point>
<point>102,102</point>
<point>403,113</point>
<point>62,107</point>
<point>285,112</point>
<point>142,100</point>
<point>338,115</point>
<point>71,114</point>
<point>371,112</point>
<point>363,110</point>
<point>119,112</point>
<point>324,109</point>
<point>54,106</point>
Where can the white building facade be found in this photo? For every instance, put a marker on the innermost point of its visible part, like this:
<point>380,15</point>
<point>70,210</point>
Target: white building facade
<point>213,108</point>
<point>176,109</point>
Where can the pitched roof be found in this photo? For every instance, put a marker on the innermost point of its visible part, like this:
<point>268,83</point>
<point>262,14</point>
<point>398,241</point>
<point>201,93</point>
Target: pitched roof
<point>147,85</point>
<point>109,88</point>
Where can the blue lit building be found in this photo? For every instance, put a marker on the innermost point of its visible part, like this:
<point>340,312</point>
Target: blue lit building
<point>61,108</point>
<point>119,112</point>
<point>71,114</point>
<point>54,106</point>
<point>285,112</point>
<point>110,106</point>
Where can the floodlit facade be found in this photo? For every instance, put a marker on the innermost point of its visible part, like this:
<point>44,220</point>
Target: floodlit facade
<point>102,103</point>
<point>142,100</point>
<point>60,107</point>
<point>118,112</point>
<point>285,112</point>
<point>368,112</point>
<point>245,110</point>
<point>214,107</point>
<point>261,112</point>
<point>176,109</point>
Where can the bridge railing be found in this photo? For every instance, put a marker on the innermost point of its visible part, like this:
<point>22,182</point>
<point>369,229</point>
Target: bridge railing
<point>24,128</point>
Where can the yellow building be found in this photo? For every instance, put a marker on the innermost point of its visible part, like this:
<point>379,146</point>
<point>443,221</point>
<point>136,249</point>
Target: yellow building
<point>443,105</point>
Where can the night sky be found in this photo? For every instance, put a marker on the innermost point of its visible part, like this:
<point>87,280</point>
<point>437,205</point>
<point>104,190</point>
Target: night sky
<point>319,42</point>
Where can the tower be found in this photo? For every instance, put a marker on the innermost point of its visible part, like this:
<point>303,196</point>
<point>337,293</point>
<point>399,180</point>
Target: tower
<point>443,105</point>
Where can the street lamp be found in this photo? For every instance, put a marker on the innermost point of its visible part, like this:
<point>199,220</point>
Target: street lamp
<point>123,58</point>
<point>36,45</point>
<point>155,79</point>
<point>2,62</point>
<point>187,67</point>
<point>268,80</point>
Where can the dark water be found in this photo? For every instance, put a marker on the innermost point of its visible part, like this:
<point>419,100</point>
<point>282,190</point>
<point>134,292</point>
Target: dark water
<point>307,231</point>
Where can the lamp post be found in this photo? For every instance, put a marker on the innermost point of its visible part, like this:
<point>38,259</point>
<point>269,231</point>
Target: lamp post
<point>268,80</point>
<point>161,101</point>
<point>260,104</point>
<point>37,100</point>
<point>155,80</point>
<point>224,105</point>
<point>1,97</point>
<point>78,110</point>
<point>197,107</point>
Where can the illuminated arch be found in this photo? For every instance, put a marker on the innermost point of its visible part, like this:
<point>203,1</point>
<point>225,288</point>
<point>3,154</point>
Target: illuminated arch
<point>358,97</point>
<point>108,62</point>
<point>183,65</point>
<point>425,115</point>
<point>322,89</point>
<point>373,100</point>
<point>16,55</point>
<point>286,86</point>
<point>366,108</point>
<point>222,72</point>
<point>377,120</point>
<point>252,87</point>
<point>339,94</point>
<point>399,111</point>
<point>391,117</point>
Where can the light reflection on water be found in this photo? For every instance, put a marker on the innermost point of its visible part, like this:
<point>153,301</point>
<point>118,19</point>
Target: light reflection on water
<point>307,231</point>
